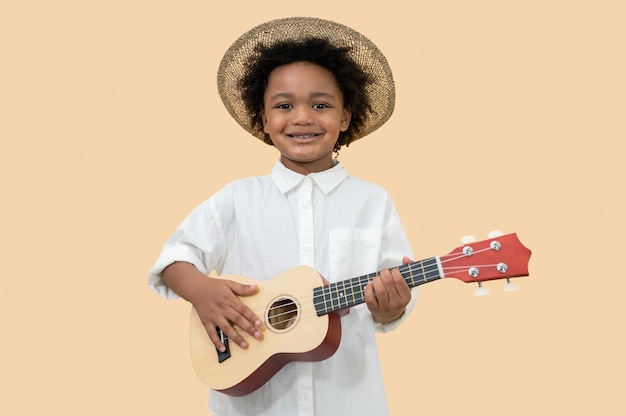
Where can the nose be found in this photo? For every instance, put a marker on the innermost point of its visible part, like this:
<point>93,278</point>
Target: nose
<point>302,115</point>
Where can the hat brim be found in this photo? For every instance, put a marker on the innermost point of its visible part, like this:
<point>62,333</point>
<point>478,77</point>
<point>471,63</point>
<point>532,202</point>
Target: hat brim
<point>381,90</point>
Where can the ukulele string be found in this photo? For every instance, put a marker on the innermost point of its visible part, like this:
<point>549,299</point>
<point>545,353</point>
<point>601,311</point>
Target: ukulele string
<point>460,255</point>
<point>450,271</point>
<point>426,273</point>
<point>336,293</point>
<point>338,289</point>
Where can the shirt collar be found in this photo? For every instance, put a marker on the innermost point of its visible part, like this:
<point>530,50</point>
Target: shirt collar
<point>286,179</point>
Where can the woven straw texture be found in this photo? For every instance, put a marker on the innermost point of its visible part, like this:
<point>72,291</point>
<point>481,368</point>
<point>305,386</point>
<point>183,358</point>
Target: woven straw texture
<point>363,52</point>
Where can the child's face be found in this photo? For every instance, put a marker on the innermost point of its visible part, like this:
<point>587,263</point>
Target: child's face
<point>303,115</point>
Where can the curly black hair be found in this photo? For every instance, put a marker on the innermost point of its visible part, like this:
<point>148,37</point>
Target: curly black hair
<point>352,80</point>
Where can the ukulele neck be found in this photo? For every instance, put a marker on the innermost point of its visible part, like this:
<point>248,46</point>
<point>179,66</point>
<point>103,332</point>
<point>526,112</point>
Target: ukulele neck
<point>347,293</point>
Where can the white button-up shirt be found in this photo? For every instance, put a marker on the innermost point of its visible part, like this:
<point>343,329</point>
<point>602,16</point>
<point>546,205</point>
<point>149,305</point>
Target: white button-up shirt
<point>259,227</point>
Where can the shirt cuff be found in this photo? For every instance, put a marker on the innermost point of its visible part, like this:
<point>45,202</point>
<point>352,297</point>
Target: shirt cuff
<point>390,326</point>
<point>167,257</point>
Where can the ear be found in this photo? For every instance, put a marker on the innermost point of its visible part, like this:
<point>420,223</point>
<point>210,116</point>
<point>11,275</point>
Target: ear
<point>264,119</point>
<point>346,116</point>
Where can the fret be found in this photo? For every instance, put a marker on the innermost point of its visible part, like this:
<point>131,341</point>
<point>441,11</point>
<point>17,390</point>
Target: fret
<point>353,286</point>
<point>328,299</point>
<point>318,300</point>
<point>423,270</point>
<point>340,295</point>
<point>334,295</point>
<point>411,283</point>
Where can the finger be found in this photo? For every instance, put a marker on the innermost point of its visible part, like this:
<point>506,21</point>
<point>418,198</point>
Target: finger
<point>221,329</point>
<point>233,335</point>
<point>379,290</point>
<point>244,317</point>
<point>391,290</point>
<point>240,289</point>
<point>247,320</point>
<point>215,338</point>
<point>370,296</point>
<point>403,285</point>
<point>384,285</point>
<point>396,289</point>
<point>400,285</point>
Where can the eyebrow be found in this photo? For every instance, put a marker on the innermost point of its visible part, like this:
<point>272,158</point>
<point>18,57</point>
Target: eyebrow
<point>281,95</point>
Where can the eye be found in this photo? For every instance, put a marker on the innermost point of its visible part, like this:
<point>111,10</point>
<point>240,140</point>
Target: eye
<point>283,106</point>
<point>320,106</point>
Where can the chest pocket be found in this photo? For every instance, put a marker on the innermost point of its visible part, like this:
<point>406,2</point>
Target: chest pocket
<point>353,252</point>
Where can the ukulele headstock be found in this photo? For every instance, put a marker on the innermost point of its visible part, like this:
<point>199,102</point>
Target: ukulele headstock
<point>499,257</point>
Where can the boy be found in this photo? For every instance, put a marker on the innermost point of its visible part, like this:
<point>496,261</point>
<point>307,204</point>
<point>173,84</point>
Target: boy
<point>308,87</point>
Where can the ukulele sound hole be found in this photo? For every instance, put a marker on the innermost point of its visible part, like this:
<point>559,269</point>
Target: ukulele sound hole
<point>282,314</point>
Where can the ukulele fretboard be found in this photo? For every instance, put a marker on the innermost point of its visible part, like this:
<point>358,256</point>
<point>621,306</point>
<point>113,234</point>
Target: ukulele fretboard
<point>347,293</point>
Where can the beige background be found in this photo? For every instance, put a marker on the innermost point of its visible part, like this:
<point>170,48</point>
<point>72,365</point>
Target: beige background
<point>509,115</point>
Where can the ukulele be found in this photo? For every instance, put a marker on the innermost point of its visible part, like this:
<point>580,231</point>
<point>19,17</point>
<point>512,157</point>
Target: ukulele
<point>300,311</point>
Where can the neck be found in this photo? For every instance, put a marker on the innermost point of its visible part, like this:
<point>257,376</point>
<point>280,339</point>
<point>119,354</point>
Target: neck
<point>305,168</point>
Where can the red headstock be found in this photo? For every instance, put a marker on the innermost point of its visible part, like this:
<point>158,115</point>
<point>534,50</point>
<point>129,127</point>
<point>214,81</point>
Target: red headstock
<point>500,257</point>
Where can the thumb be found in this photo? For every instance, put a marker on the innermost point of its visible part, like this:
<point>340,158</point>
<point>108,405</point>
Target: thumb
<point>240,289</point>
<point>406,260</point>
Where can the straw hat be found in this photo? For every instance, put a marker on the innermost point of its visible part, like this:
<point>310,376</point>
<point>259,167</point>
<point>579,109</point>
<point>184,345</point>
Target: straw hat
<point>233,66</point>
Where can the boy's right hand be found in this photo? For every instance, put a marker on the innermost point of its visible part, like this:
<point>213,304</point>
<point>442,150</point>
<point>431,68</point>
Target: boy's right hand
<point>218,305</point>
<point>216,301</point>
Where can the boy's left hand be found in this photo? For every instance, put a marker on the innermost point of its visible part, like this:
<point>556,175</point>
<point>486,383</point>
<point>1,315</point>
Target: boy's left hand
<point>387,295</point>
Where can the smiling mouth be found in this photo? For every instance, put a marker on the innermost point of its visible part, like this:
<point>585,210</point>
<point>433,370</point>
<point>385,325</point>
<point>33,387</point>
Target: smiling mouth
<point>303,136</point>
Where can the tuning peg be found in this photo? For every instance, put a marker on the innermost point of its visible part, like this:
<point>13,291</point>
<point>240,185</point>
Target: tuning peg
<point>481,291</point>
<point>468,239</point>
<point>495,233</point>
<point>510,287</point>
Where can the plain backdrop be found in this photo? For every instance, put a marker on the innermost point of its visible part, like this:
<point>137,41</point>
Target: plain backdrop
<point>509,115</point>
